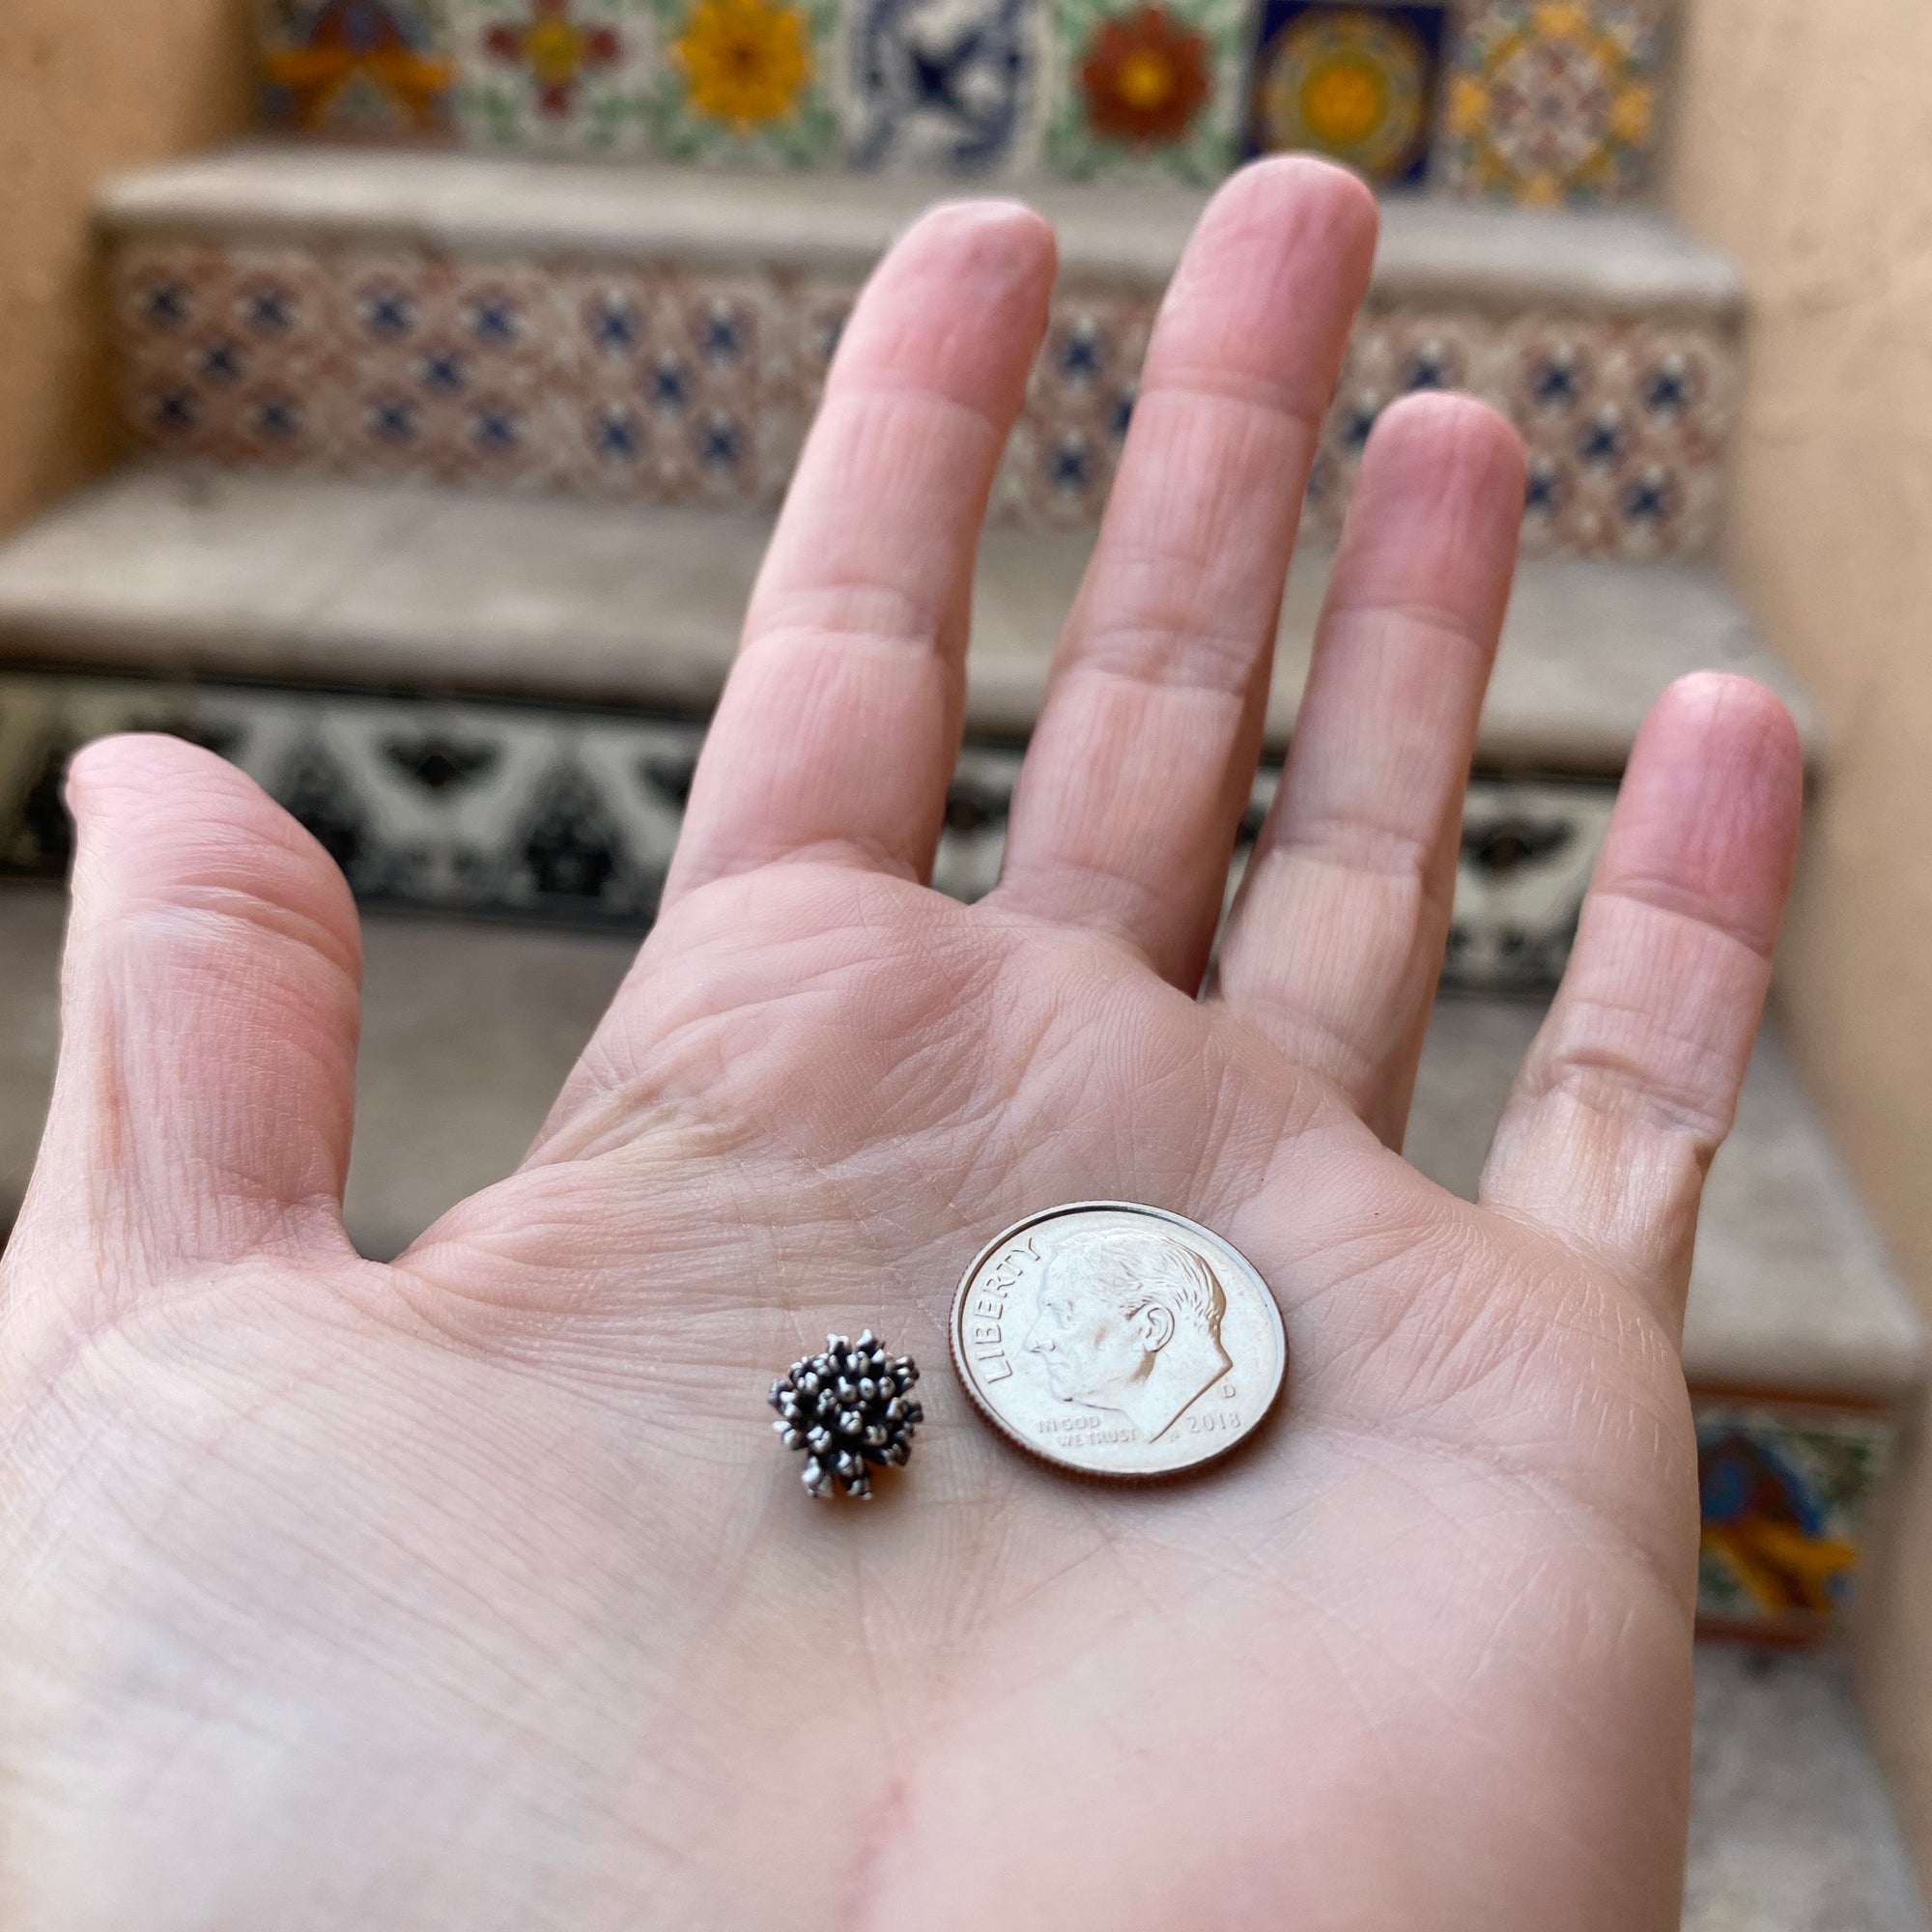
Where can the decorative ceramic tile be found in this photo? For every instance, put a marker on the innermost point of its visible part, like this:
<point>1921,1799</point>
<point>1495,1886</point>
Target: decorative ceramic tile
<point>225,355</point>
<point>667,384</point>
<point>561,812</point>
<point>946,86</point>
<point>973,835</point>
<point>1786,1489</point>
<point>1144,86</point>
<point>1551,101</point>
<point>809,319</point>
<point>677,385</point>
<point>1528,853</point>
<point>446,370</point>
<point>575,76</point>
<point>1079,398</point>
<point>1351,81</point>
<point>1625,424</point>
<point>356,67</point>
<point>466,807</point>
<point>747,80</point>
<point>1527,850</point>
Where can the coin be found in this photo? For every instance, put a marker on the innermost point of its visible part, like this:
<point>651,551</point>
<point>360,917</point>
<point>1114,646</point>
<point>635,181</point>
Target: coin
<point>1117,1340</point>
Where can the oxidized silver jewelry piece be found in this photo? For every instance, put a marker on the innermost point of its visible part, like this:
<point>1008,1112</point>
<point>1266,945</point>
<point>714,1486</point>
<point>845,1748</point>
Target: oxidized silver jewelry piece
<point>849,1409</point>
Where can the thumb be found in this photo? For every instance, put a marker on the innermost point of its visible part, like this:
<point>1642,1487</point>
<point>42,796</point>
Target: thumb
<point>210,1002</point>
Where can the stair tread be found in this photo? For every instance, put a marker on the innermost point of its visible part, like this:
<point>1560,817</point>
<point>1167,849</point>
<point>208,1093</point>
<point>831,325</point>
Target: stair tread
<point>1791,1829</point>
<point>1791,1291</point>
<point>409,586</point>
<point>1791,1287</point>
<point>1630,262</point>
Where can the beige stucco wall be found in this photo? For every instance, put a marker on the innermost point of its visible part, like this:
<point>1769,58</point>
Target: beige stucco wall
<point>1804,144</point>
<point>86,87</point>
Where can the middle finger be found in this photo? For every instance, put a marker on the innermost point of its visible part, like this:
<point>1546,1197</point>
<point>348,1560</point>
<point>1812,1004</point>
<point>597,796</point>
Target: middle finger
<point>1144,751</point>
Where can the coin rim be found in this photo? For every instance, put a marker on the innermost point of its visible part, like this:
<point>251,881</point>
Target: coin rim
<point>1019,1442</point>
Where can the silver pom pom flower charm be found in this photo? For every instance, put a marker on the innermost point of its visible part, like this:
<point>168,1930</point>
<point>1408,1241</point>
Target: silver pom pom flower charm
<point>850,1410</point>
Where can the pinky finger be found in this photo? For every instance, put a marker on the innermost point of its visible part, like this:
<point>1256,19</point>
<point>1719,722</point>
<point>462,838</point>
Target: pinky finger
<point>1630,1084</point>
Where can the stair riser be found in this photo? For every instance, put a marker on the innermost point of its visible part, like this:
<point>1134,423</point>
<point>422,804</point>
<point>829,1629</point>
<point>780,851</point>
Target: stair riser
<point>1007,89</point>
<point>663,383</point>
<point>566,815</point>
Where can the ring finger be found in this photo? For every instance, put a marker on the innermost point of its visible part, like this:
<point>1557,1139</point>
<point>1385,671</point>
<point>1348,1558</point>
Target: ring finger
<point>1336,940</point>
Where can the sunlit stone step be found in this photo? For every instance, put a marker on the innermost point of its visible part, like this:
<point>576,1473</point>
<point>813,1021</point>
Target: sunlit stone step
<point>1791,1829</point>
<point>354,646</point>
<point>400,586</point>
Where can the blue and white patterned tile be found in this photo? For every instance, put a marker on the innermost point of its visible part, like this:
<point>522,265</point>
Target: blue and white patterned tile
<point>225,354</point>
<point>1080,401</point>
<point>664,384</point>
<point>1527,850</point>
<point>567,814</point>
<point>946,87</point>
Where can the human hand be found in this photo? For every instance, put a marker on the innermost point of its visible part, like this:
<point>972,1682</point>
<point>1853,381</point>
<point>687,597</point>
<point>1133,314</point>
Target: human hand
<point>472,1592</point>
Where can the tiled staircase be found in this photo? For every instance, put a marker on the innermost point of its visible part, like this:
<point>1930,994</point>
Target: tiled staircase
<point>455,460</point>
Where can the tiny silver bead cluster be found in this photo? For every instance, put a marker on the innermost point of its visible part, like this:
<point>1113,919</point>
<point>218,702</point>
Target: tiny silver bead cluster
<point>849,1408</point>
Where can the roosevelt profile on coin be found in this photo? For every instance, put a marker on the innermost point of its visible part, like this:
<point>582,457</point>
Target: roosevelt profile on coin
<point>1129,1322</point>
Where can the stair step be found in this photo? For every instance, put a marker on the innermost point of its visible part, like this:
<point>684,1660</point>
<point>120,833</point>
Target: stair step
<point>1801,1344</point>
<point>1622,263</point>
<point>1791,1829</point>
<point>405,588</point>
<point>1791,1291</point>
<point>516,322</point>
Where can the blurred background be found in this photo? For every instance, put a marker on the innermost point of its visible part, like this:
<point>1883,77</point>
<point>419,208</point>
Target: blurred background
<point>396,394</point>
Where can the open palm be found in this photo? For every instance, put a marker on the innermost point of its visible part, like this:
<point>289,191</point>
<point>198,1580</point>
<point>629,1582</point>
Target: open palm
<point>473,1592</point>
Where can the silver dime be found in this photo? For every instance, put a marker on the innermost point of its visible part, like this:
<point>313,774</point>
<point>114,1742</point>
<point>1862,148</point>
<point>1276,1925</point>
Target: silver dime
<point>1117,1340</point>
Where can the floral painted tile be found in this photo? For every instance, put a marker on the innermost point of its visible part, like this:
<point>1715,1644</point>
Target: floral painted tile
<point>945,86</point>
<point>1552,101</point>
<point>574,77</point>
<point>379,67</point>
<point>746,81</point>
<point>1149,87</point>
<point>1679,384</point>
<point>1356,83</point>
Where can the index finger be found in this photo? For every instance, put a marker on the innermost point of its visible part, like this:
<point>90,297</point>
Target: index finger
<point>839,724</point>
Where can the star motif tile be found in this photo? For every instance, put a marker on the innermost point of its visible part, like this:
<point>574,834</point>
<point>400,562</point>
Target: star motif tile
<point>665,385</point>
